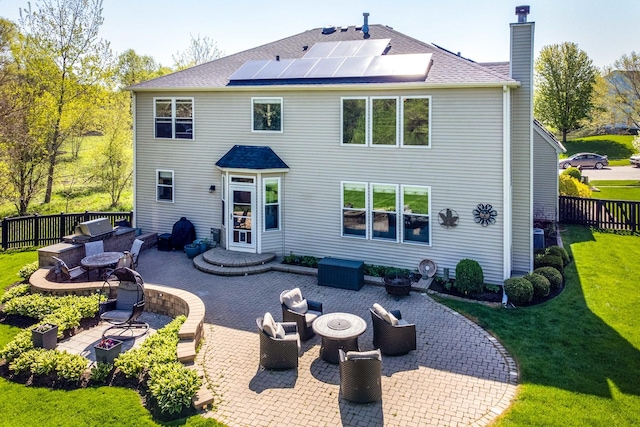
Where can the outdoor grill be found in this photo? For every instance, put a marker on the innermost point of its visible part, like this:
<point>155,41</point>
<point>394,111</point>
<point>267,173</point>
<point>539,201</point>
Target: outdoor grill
<point>87,231</point>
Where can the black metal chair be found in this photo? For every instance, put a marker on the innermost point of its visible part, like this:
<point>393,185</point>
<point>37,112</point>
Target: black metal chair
<point>123,311</point>
<point>361,375</point>
<point>392,339</point>
<point>278,352</point>
<point>290,300</point>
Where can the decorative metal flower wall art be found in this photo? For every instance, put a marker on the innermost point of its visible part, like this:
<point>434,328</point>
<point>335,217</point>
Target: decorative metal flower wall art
<point>448,218</point>
<point>485,214</point>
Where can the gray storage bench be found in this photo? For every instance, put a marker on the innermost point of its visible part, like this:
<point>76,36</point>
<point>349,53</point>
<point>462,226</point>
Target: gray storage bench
<point>341,273</point>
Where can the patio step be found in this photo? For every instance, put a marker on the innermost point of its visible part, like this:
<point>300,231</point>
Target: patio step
<point>228,263</point>
<point>202,398</point>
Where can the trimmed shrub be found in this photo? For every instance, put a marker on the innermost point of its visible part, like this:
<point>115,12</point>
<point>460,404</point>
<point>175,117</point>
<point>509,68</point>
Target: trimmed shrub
<point>14,292</point>
<point>573,172</point>
<point>541,285</point>
<point>27,270</point>
<point>569,186</point>
<point>552,274</point>
<point>469,277</point>
<point>559,251</point>
<point>172,386</point>
<point>550,261</point>
<point>519,290</point>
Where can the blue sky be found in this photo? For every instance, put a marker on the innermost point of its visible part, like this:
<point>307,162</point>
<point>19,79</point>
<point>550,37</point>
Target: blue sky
<point>478,29</point>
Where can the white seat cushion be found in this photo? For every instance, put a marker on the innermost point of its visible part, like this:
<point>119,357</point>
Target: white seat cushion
<point>271,327</point>
<point>300,307</point>
<point>310,316</point>
<point>291,297</point>
<point>371,354</point>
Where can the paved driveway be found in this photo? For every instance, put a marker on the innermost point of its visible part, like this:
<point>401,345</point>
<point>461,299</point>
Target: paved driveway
<point>459,375</point>
<point>613,173</point>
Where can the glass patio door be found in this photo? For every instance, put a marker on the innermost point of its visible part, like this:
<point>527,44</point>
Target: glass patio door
<point>242,220</point>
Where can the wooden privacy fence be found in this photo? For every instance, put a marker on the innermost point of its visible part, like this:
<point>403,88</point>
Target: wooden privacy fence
<point>40,230</point>
<point>599,213</point>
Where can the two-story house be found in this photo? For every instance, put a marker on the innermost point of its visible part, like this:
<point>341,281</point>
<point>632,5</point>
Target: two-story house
<point>352,142</point>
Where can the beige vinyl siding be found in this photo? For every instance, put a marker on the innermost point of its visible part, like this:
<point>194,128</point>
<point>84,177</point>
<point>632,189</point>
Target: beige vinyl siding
<point>463,167</point>
<point>521,146</point>
<point>545,179</point>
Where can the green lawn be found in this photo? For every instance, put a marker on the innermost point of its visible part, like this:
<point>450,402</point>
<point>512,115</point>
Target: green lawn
<point>617,147</point>
<point>579,354</point>
<point>94,406</point>
<point>616,190</point>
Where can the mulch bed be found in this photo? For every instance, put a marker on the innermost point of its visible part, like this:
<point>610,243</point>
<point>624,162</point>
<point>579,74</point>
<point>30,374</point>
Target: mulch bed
<point>488,296</point>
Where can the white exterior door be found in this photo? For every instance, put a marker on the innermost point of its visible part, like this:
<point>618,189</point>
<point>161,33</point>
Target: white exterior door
<point>242,220</point>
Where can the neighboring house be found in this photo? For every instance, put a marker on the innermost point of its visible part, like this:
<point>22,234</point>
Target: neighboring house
<point>347,142</point>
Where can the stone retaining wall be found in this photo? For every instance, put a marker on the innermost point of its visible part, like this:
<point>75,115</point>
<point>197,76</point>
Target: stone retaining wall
<point>159,299</point>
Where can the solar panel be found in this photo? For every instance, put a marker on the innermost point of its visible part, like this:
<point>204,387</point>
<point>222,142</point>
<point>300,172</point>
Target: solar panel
<point>346,48</point>
<point>353,67</point>
<point>325,68</point>
<point>321,50</point>
<point>299,68</point>
<point>272,69</point>
<point>248,70</point>
<point>399,65</point>
<point>373,47</point>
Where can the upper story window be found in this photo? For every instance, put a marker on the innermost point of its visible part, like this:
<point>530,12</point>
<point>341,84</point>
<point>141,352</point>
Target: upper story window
<point>266,114</point>
<point>173,118</point>
<point>271,203</point>
<point>164,185</point>
<point>386,121</point>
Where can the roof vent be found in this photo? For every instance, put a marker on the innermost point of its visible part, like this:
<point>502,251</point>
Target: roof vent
<point>343,29</point>
<point>522,12</point>
<point>365,26</point>
<point>329,29</point>
<point>305,47</point>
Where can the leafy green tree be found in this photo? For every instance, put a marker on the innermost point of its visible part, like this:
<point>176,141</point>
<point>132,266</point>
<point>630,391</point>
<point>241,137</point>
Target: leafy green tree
<point>564,77</point>
<point>65,63</point>
<point>132,68</point>
<point>200,50</point>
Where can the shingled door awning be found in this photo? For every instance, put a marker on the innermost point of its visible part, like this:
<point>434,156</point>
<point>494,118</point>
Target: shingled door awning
<point>250,157</point>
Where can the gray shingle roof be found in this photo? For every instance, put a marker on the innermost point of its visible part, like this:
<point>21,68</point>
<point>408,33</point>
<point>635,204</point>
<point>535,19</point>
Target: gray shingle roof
<point>447,68</point>
<point>251,157</point>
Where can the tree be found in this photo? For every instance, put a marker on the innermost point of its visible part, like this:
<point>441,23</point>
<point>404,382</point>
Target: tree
<point>22,156</point>
<point>625,81</point>
<point>62,56</point>
<point>132,68</point>
<point>200,50</point>
<point>564,77</point>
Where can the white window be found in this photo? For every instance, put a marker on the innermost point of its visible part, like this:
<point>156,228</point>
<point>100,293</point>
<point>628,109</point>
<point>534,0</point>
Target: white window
<point>164,185</point>
<point>271,192</point>
<point>354,121</point>
<point>384,121</point>
<point>266,114</point>
<point>416,121</point>
<point>354,209</point>
<point>416,208</point>
<point>384,211</point>
<point>173,118</point>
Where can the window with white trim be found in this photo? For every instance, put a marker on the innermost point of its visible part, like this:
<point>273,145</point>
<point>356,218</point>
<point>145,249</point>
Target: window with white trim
<point>416,206</point>
<point>266,114</point>
<point>384,121</point>
<point>271,192</point>
<point>173,118</point>
<point>164,185</point>
<point>416,120</point>
<point>379,121</point>
<point>354,209</point>
<point>384,211</point>
<point>354,121</point>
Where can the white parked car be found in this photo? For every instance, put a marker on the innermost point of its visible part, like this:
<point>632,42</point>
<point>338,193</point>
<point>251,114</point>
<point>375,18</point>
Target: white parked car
<point>635,160</point>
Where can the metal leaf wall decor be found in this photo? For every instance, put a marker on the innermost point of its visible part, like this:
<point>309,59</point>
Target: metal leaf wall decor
<point>485,214</point>
<point>448,218</point>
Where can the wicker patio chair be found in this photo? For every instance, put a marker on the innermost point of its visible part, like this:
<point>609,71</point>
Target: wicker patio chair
<point>279,351</point>
<point>392,335</point>
<point>69,273</point>
<point>360,375</point>
<point>300,310</point>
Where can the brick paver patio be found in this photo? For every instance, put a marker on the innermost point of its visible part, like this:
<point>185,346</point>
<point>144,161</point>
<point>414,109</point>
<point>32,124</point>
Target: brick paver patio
<point>459,374</point>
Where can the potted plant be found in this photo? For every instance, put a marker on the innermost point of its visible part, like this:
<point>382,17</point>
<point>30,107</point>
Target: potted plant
<point>191,250</point>
<point>107,350</point>
<point>45,336</point>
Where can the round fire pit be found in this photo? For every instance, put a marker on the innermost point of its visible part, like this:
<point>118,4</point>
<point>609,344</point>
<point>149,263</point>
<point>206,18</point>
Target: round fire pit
<point>397,283</point>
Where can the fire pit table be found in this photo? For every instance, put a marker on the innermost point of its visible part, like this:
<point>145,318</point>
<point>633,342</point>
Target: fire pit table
<point>338,330</point>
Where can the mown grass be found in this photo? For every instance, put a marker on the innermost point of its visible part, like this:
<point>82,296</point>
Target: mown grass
<point>579,354</point>
<point>74,188</point>
<point>93,406</point>
<point>618,148</point>
<point>616,190</point>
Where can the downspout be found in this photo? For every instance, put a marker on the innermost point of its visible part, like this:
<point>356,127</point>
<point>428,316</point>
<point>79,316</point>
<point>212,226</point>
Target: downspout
<point>507,182</point>
<point>135,207</point>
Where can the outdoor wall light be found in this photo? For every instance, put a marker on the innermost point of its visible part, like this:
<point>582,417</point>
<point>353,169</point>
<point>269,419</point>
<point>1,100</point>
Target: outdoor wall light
<point>212,189</point>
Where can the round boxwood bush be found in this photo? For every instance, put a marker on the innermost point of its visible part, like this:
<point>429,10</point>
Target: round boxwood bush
<point>573,172</point>
<point>541,285</point>
<point>519,290</point>
<point>469,277</point>
<point>559,251</point>
<point>553,276</point>
<point>550,261</point>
